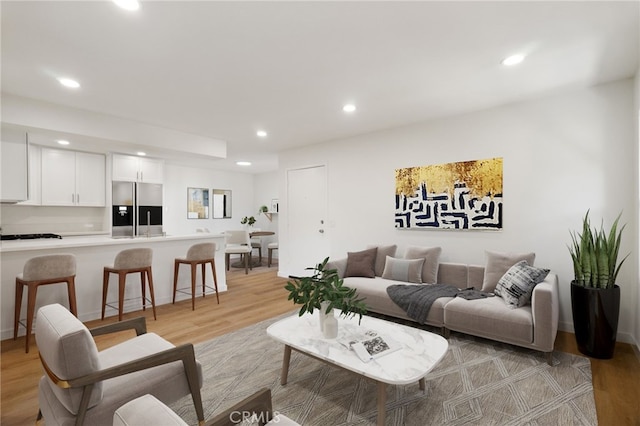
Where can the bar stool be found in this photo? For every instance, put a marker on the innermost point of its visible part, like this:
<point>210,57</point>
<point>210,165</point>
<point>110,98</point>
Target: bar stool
<point>198,254</point>
<point>130,261</point>
<point>271,247</point>
<point>43,270</point>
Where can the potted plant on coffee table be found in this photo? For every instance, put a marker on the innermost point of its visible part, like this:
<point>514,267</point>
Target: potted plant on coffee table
<point>324,290</point>
<point>595,295</point>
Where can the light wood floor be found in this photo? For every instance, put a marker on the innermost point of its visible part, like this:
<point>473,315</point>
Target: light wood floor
<point>259,296</point>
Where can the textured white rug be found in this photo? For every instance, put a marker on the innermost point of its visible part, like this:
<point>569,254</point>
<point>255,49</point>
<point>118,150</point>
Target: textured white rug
<point>479,382</point>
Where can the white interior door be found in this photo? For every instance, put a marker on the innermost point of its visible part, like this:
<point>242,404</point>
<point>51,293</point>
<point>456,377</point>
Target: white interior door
<point>307,210</point>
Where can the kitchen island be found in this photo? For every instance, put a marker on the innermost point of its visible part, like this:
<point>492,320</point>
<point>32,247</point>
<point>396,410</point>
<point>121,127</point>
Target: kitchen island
<point>92,254</point>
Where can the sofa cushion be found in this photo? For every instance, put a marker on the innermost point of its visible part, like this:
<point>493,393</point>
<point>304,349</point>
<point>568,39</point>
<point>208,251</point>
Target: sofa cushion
<point>515,287</point>
<point>361,263</point>
<point>431,256</point>
<point>406,270</point>
<point>381,257</point>
<point>498,264</point>
<point>490,318</point>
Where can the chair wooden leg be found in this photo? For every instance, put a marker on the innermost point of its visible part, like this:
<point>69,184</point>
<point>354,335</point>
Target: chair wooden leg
<point>31,309</point>
<point>18,308</point>
<point>105,286</point>
<point>151,293</point>
<point>247,262</point>
<point>226,260</point>
<point>143,287</point>
<point>176,269</point>
<point>269,257</point>
<point>215,279</point>
<point>204,270</point>
<point>194,271</point>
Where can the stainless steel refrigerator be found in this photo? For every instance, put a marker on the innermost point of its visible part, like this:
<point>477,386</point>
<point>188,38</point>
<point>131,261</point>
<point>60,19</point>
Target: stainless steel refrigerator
<point>136,209</point>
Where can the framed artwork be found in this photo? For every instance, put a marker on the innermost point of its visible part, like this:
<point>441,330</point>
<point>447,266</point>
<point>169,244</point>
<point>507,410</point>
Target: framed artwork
<point>462,195</point>
<point>274,206</point>
<point>197,203</point>
<point>221,203</point>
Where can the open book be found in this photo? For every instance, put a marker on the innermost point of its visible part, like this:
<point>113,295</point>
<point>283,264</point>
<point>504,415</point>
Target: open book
<point>370,345</point>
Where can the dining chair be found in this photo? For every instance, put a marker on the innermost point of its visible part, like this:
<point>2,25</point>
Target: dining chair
<point>271,247</point>
<point>238,242</point>
<point>256,243</point>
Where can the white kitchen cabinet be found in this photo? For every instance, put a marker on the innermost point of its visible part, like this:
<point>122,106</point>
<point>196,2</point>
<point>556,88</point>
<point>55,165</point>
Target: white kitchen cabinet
<point>72,178</point>
<point>13,151</point>
<point>137,169</point>
<point>35,177</point>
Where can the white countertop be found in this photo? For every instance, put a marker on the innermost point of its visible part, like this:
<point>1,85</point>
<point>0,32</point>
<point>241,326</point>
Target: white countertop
<point>95,240</point>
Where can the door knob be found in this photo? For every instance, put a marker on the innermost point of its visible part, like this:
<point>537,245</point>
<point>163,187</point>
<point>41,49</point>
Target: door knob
<point>321,231</point>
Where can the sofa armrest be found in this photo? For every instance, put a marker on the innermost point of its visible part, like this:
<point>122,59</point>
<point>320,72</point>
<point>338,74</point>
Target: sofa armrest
<point>339,264</point>
<point>545,311</point>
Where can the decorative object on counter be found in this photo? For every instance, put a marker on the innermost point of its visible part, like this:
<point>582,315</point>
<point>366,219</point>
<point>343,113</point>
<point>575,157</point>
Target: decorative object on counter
<point>221,203</point>
<point>130,261</point>
<point>43,270</point>
<point>324,285</point>
<point>11,237</point>
<point>198,254</point>
<point>461,195</point>
<point>197,203</point>
<point>595,296</point>
<point>248,220</point>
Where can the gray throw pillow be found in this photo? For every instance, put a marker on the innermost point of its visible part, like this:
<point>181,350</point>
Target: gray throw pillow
<point>406,270</point>
<point>361,263</point>
<point>516,285</point>
<point>498,264</point>
<point>431,256</point>
<point>381,257</point>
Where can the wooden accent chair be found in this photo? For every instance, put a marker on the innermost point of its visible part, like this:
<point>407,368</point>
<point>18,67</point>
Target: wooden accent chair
<point>238,242</point>
<point>82,385</point>
<point>147,410</point>
<point>43,270</point>
<point>130,261</point>
<point>198,254</point>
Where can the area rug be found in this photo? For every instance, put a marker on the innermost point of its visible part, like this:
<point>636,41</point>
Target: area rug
<point>478,382</point>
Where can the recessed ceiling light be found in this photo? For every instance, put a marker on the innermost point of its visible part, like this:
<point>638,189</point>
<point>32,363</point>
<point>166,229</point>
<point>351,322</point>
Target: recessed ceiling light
<point>349,108</point>
<point>63,142</point>
<point>261,133</point>
<point>67,82</point>
<point>141,154</point>
<point>243,163</point>
<point>513,60</point>
<point>128,4</point>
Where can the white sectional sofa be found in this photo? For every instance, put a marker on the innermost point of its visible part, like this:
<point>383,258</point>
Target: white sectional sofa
<point>533,325</point>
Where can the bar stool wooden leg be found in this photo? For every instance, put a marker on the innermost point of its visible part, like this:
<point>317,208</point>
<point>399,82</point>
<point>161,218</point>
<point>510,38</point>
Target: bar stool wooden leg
<point>215,280</point>
<point>122,279</point>
<point>18,307</point>
<point>153,297</point>
<point>194,270</point>
<point>31,309</point>
<point>105,287</point>
<point>204,269</point>
<point>71,291</point>
<point>176,269</point>
<point>143,287</point>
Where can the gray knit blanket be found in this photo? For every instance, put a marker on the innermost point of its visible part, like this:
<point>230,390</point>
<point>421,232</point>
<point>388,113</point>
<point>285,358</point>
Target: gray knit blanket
<point>416,300</point>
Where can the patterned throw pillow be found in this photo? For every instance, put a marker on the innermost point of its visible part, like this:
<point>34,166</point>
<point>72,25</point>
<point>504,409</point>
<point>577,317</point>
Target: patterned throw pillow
<point>516,286</point>
<point>407,270</point>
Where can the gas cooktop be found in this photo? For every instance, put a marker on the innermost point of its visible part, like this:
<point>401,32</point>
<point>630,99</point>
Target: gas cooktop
<point>28,236</point>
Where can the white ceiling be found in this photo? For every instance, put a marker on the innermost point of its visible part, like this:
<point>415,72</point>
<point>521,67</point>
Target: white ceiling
<point>223,70</point>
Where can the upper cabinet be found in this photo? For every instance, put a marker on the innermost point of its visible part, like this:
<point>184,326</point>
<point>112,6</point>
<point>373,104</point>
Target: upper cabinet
<point>137,169</point>
<point>72,178</point>
<point>14,172</point>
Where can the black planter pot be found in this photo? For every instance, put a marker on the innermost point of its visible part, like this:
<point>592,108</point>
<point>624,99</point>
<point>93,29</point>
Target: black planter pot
<point>595,319</point>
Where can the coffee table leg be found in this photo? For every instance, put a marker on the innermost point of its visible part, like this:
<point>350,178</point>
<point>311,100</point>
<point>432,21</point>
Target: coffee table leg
<point>285,365</point>
<point>382,402</point>
<point>421,382</point>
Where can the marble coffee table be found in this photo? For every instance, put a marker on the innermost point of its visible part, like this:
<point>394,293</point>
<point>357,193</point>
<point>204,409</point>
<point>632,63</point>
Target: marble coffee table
<point>419,350</point>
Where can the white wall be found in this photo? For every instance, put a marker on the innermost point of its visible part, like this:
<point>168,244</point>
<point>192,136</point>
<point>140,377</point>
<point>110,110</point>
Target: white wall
<point>562,155</point>
<point>637,144</point>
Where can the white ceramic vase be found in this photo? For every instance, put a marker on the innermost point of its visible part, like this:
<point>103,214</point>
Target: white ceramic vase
<point>322,315</point>
<point>328,322</point>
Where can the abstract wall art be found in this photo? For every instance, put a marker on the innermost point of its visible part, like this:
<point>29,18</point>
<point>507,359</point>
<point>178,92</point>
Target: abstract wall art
<point>462,195</point>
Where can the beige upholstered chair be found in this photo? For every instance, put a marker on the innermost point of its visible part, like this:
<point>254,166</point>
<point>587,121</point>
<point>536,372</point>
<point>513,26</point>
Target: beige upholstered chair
<point>198,254</point>
<point>147,410</point>
<point>238,242</point>
<point>271,247</point>
<point>43,270</point>
<point>130,261</point>
<point>82,385</point>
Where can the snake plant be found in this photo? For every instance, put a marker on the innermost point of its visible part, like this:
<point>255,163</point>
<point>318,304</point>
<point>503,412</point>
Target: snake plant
<point>595,254</point>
